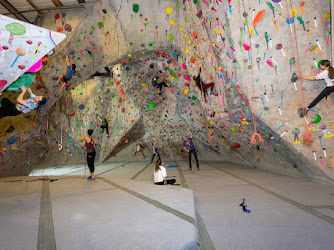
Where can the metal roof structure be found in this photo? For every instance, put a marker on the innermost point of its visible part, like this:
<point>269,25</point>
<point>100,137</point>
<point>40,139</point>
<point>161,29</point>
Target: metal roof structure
<point>31,10</point>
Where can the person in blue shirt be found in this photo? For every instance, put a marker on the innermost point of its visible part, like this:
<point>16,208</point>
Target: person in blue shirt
<point>155,151</point>
<point>189,147</point>
<point>69,74</point>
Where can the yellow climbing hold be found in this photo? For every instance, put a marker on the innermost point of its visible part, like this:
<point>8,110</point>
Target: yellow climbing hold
<point>172,22</point>
<point>169,10</point>
<point>212,123</point>
<point>186,91</point>
<point>144,84</point>
<point>129,55</point>
<point>180,28</point>
<point>185,35</point>
<point>186,51</point>
<point>219,68</point>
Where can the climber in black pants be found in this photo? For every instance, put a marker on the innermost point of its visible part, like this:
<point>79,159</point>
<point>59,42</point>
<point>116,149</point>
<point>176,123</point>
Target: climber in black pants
<point>160,85</point>
<point>328,76</point>
<point>155,151</point>
<point>189,146</point>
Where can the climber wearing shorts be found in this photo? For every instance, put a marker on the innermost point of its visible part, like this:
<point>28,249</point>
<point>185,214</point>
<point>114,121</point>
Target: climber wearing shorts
<point>69,74</point>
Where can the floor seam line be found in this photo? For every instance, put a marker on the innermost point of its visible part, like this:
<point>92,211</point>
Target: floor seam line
<point>292,202</point>
<point>153,202</point>
<point>113,168</point>
<point>200,224</point>
<point>136,175</point>
<point>46,236</point>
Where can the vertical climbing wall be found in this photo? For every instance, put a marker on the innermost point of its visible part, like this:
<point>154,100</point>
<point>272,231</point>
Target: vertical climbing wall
<point>248,49</point>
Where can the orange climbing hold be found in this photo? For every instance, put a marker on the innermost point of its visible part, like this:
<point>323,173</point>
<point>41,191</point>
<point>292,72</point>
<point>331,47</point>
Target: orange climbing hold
<point>258,18</point>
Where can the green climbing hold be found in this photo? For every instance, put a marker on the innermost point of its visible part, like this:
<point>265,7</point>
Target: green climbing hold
<point>135,8</point>
<point>319,63</point>
<point>173,73</point>
<point>100,24</point>
<point>16,29</point>
<point>152,105</point>
<point>195,1</point>
<point>193,97</point>
<point>171,37</point>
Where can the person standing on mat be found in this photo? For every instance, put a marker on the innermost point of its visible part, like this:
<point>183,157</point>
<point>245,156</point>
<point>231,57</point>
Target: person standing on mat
<point>105,124</point>
<point>328,75</point>
<point>160,174</point>
<point>189,147</point>
<point>90,148</point>
<point>7,108</point>
<point>155,151</point>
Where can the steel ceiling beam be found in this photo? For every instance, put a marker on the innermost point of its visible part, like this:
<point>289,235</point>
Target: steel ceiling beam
<point>47,9</point>
<point>13,11</point>
<point>34,6</point>
<point>57,3</point>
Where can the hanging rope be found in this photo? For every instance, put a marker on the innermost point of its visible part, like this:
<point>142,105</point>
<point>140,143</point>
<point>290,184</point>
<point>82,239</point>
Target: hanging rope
<point>251,94</point>
<point>307,136</point>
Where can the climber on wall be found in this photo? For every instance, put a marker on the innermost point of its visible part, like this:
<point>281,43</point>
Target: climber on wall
<point>189,147</point>
<point>105,125</point>
<point>7,108</point>
<point>328,75</point>
<point>201,85</point>
<point>139,149</point>
<point>90,148</point>
<point>69,74</point>
<point>155,151</point>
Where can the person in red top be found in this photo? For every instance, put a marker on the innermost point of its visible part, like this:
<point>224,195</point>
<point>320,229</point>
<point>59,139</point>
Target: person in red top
<point>90,147</point>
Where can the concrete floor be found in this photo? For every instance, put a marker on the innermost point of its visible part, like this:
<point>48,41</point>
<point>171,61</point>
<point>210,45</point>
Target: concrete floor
<point>286,213</point>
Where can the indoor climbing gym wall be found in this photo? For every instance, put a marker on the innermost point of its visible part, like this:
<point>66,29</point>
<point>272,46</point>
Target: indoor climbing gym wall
<point>248,53</point>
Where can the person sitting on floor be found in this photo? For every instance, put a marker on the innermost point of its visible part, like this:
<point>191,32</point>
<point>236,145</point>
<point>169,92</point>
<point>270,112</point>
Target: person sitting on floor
<point>160,174</point>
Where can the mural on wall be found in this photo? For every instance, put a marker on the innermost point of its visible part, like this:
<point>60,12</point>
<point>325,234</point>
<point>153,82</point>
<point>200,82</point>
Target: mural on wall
<point>22,46</point>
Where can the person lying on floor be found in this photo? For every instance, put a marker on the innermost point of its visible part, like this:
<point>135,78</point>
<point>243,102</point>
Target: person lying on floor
<point>160,174</point>
<point>7,108</point>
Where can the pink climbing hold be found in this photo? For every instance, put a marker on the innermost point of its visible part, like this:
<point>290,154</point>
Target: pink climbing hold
<point>187,78</point>
<point>246,46</point>
<point>270,63</point>
<point>36,67</point>
<point>2,83</point>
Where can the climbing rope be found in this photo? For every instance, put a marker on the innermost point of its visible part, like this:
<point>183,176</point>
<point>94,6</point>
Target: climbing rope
<point>307,136</point>
<point>251,94</point>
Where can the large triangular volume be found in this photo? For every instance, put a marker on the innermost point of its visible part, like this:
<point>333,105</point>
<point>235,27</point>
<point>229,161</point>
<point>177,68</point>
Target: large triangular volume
<point>22,45</point>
